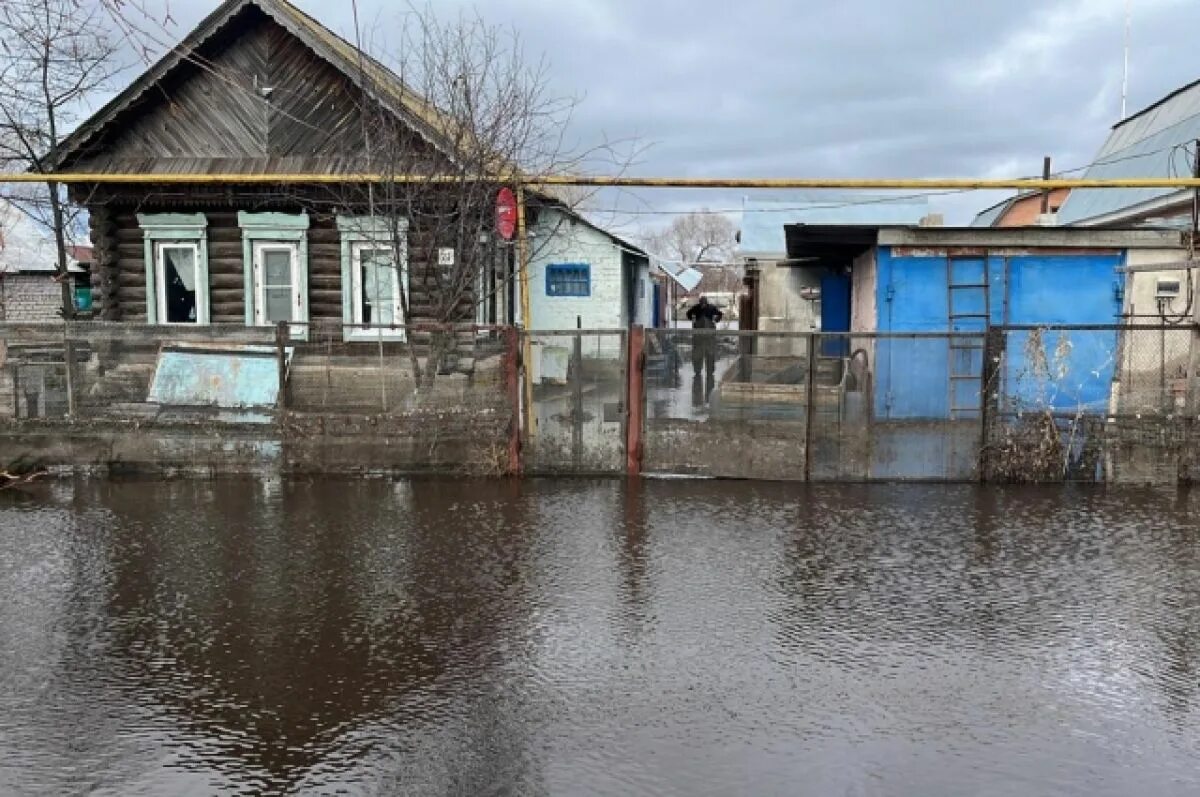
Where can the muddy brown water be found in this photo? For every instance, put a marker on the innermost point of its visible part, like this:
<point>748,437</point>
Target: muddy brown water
<point>592,637</point>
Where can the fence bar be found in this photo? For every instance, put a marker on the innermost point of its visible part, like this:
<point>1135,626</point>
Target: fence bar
<point>577,397</point>
<point>989,393</point>
<point>281,340</point>
<point>512,387</point>
<point>68,360</point>
<point>809,406</point>
<point>635,399</point>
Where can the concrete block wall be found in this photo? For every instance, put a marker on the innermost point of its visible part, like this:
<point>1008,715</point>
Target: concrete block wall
<point>29,297</point>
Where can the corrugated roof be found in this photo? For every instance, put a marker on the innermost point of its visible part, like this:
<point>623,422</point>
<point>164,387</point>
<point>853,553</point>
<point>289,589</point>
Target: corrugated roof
<point>763,220</point>
<point>989,216</point>
<point>1144,145</point>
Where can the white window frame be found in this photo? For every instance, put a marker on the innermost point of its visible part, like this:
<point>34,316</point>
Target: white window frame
<point>300,311</point>
<point>282,230</point>
<point>370,232</point>
<point>174,229</point>
<point>160,282</point>
<point>356,293</point>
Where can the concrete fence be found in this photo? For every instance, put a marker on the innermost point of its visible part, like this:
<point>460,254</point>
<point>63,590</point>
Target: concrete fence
<point>1112,404</point>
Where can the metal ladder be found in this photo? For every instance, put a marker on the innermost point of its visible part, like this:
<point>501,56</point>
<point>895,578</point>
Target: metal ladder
<point>969,309</point>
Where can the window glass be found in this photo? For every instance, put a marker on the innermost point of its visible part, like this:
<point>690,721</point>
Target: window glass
<point>278,267</point>
<point>377,303</point>
<point>568,279</point>
<point>179,284</point>
<point>277,285</point>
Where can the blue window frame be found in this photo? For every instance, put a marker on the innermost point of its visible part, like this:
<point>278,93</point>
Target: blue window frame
<point>569,279</point>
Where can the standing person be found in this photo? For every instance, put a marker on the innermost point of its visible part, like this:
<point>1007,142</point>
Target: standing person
<point>704,317</point>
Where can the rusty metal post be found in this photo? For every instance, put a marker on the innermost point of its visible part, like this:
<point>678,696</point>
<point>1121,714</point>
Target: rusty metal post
<point>810,405</point>
<point>635,399</point>
<point>512,389</point>
<point>281,339</point>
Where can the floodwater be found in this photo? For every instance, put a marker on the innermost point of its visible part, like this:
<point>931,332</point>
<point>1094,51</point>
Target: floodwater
<point>597,637</point>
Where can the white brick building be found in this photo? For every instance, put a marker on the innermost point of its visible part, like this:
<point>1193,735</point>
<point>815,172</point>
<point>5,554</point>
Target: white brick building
<point>28,291</point>
<point>583,276</point>
<point>29,296</point>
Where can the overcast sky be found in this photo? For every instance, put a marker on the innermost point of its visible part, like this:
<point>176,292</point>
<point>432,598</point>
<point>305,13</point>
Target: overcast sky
<point>845,88</point>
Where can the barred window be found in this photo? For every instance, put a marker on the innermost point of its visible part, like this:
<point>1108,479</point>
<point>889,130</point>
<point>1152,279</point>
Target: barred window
<point>569,279</point>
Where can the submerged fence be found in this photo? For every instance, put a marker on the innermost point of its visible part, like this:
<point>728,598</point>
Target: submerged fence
<point>1103,403</point>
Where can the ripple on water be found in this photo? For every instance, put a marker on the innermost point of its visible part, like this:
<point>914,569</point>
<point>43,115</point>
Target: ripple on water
<point>567,636</point>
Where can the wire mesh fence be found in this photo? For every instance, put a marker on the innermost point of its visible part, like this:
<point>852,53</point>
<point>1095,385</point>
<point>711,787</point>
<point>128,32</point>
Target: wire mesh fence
<point>1100,403</point>
<point>335,368</point>
<point>425,397</point>
<point>1103,403</point>
<point>576,418</point>
<point>813,406</point>
<point>716,406</point>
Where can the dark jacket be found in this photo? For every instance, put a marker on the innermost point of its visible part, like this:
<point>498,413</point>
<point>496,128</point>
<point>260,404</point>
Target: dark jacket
<point>704,316</point>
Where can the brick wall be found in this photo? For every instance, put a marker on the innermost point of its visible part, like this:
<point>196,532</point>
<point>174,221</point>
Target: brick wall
<point>29,297</point>
<point>559,239</point>
<point>564,240</point>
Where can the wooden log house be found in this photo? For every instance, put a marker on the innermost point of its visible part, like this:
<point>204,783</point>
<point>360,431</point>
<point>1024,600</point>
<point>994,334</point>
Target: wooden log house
<point>260,87</point>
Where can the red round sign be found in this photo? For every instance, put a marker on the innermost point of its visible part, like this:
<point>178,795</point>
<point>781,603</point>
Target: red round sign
<point>506,213</point>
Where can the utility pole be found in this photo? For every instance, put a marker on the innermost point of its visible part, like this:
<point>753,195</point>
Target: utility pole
<point>1046,192</point>
<point>1125,70</point>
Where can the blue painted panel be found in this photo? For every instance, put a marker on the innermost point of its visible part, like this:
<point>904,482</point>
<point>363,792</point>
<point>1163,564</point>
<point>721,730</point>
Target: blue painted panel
<point>1062,289</point>
<point>998,287</point>
<point>912,293</point>
<point>245,377</point>
<point>835,313</point>
<point>913,378</point>
<point>912,374</point>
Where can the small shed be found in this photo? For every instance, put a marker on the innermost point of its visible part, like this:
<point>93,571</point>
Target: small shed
<point>785,292</point>
<point>963,280</point>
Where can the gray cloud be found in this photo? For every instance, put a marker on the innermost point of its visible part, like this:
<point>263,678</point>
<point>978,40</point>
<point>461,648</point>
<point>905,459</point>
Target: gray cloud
<point>855,88</point>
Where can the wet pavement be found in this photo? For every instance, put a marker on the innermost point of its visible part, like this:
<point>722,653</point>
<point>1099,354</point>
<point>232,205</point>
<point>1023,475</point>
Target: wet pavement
<point>597,637</point>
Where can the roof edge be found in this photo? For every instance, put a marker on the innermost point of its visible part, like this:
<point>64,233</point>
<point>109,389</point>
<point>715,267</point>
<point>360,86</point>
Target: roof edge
<point>282,13</point>
<point>1162,100</point>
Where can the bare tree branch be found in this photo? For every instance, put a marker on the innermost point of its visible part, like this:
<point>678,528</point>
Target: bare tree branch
<point>54,54</point>
<point>478,109</point>
<point>694,239</point>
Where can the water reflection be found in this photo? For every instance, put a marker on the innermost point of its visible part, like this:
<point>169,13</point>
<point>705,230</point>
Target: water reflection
<point>574,636</point>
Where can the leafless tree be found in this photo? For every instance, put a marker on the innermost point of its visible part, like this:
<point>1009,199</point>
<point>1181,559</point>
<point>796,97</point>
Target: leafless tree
<point>482,114</point>
<point>53,55</point>
<point>695,238</point>
<point>703,240</point>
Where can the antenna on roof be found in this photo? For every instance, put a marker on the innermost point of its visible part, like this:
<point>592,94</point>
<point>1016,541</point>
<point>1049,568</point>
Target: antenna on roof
<point>1125,74</point>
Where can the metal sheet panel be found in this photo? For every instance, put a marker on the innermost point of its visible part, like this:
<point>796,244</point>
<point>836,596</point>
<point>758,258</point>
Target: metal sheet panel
<point>240,377</point>
<point>1143,146</point>
<point>763,220</point>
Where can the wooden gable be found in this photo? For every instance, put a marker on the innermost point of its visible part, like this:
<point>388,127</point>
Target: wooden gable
<point>253,97</point>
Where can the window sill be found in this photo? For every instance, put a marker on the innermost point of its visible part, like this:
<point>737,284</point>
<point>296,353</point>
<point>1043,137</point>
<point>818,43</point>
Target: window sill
<point>298,331</point>
<point>352,335</point>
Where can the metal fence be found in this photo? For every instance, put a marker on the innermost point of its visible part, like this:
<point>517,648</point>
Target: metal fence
<point>336,396</point>
<point>1103,403</point>
<point>813,406</point>
<point>1092,403</point>
<point>575,417</point>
